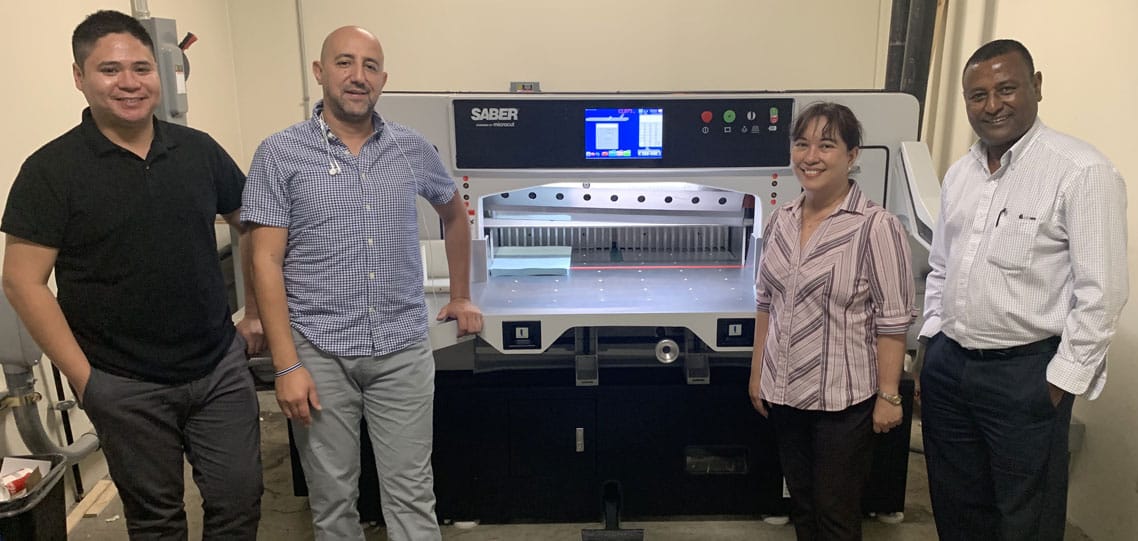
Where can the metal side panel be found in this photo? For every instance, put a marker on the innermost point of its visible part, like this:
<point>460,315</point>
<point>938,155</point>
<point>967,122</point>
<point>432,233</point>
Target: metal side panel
<point>923,188</point>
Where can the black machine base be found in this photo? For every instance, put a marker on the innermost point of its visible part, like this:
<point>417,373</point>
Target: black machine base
<point>532,446</point>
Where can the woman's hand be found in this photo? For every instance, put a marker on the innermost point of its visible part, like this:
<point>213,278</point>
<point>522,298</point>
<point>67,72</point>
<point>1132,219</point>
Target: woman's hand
<point>754,388</point>
<point>886,416</point>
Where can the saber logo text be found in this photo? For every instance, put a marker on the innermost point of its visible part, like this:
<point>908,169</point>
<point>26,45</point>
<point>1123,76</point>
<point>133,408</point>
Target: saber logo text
<point>478,114</point>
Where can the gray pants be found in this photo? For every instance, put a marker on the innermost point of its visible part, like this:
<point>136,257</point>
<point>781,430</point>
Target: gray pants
<point>396,394</point>
<point>146,428</point>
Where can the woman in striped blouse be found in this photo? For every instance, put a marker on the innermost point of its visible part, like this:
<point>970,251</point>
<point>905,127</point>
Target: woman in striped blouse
<point>834,300</point>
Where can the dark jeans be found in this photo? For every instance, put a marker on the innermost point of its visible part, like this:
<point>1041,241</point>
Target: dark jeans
<point>145,429</point>
<point>826,458</point>
<point>995,445</point>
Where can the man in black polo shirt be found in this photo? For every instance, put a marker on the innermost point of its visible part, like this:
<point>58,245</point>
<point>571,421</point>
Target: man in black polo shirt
<point>123,207</point>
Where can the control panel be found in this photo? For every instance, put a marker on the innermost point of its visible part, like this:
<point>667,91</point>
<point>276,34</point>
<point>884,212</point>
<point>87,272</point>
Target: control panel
<point>669,133</point>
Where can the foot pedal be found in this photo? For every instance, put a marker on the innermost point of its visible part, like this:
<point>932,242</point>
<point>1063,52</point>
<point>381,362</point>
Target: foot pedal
<point>612,535</point>
<point>612,530</point>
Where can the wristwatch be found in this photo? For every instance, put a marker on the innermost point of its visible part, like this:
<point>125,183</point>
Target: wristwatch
<point>894,399</point>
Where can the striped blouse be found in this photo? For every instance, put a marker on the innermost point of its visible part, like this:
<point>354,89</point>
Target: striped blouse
<point>829,300</point>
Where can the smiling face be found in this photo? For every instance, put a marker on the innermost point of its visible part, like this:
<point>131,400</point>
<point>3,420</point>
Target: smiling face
<point>1002,97</point>
<point>821,159</point>
<point>350,70</point>
<point>119,78</point>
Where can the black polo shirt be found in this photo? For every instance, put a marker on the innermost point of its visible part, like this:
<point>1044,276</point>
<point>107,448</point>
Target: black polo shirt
<point>137,272</point>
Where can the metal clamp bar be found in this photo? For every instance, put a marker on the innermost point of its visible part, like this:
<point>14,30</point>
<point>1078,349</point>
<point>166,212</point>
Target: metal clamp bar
<point>20,400</point>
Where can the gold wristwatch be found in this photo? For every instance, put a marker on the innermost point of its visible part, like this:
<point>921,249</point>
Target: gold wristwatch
<point>894,399</point>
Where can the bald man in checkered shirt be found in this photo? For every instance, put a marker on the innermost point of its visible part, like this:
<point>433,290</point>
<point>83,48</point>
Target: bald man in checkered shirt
<point>337,267</point>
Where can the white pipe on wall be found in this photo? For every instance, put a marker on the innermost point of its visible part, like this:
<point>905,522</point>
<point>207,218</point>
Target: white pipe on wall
<point>306,100</point>
<point>139,9</point>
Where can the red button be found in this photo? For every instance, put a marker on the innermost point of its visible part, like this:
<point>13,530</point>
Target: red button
<point>705,117</point>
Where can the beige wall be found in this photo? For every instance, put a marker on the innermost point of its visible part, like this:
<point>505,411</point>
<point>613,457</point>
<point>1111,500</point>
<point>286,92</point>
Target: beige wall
<point>458,45</point>
<point>600,45</point>
<point>1084,50</point>
<point>266,55</point>
<point>42,102</point>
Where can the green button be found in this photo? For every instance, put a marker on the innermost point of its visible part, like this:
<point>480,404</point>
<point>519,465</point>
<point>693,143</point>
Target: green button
<point>729,116</point>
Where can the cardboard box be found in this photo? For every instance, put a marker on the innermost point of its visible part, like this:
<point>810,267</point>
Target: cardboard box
<point>40,514</point>
<point>18,476</point>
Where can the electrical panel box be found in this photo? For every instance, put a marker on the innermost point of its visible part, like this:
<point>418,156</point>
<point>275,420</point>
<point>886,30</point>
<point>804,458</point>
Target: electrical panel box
<point>172,69</point>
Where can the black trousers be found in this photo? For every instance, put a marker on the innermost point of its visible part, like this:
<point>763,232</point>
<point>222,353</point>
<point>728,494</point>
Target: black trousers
<point>826,458</point>
<point>145,430</point>
<point>995,445</point>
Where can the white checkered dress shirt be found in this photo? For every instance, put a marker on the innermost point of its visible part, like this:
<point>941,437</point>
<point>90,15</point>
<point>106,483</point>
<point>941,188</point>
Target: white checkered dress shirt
<point>1035,249</point>
<point>352,270</point>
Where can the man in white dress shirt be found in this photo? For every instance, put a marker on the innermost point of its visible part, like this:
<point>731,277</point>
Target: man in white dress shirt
<point>1029,275</point>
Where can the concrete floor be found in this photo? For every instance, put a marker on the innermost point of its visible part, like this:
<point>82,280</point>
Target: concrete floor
<point>285,516</point>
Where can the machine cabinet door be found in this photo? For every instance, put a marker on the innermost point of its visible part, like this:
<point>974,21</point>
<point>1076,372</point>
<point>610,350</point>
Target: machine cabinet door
<point>469,459</point>
<point>688,449</point>
<point>552,457</point>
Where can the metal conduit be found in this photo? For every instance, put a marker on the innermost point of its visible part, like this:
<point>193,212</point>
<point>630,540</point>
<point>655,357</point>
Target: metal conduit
<point>18,354</point>
<point>21,384</point>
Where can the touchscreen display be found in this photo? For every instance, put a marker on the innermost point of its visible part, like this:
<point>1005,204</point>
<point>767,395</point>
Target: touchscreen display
<point>624,134</point>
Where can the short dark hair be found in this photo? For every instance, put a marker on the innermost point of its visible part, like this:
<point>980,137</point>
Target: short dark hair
<point>101,23</point>
<point>1000,47</point>
<point>838,119</point>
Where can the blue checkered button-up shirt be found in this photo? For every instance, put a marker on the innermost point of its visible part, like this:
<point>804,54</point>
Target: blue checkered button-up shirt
<point>352,270</point>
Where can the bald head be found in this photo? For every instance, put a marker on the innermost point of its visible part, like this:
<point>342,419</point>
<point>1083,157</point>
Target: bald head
<point>348,34</point>
<point>350,71</point>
